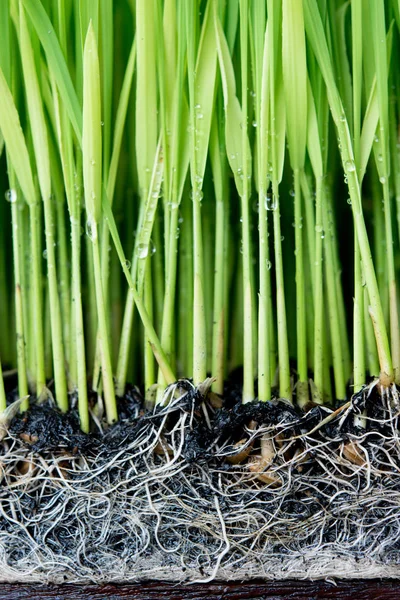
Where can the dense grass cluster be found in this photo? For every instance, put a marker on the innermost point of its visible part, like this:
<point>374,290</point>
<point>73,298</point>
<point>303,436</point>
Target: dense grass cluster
<point>194,186</point>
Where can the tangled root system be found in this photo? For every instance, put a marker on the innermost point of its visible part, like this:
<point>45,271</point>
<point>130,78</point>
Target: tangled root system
<point>196,490</point>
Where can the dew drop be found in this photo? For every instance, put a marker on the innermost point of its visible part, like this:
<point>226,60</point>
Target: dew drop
<point>127,264</point>
<point>350,166</point>
<point>45,254</point>
<point>268,265</point>
<point>382,180</point>
<point>90,230</point>
<point>196,195</point>
<point>255,124</point>
<point>11,196</point>
<point>142,250</point>
<point>271,201</point>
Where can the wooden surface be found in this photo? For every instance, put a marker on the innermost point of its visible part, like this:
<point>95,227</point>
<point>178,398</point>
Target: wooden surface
<point>288,590</point>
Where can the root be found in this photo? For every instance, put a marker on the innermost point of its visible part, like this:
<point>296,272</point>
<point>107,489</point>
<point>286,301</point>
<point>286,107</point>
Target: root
<point>192,491</point>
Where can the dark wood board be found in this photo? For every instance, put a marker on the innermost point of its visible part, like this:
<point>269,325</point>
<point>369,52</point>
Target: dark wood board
<point>286,590</point>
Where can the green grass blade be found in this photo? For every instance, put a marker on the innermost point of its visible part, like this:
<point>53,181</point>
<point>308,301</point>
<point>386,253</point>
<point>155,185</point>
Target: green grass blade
<point>277,141</point>
<point>239,157</point>
<point>294,69</point>
<point>41,150</point>
<point>14,138</point>
<point>56,61</point>
<point>92,168</point>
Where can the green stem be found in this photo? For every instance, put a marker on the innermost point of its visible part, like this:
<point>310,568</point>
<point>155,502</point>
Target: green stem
<point>358,316</point>
<point>199,316</point>
<point>55,312</point>
<point>108,384</point>
<point>265,305</point>
<point>337,353</point>
<point>219,308</point>
<point>78,324</point>
<point>393,306</point>
<point>248,313</point>
<point>37,308</point>
<point>319,296</point>
<point>19,295</point>
<point>285,390</point>
<point>302,386</point>
<point>149,372</point>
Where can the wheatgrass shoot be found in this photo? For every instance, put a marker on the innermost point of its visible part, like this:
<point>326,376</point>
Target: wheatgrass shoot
<point>206,182</point>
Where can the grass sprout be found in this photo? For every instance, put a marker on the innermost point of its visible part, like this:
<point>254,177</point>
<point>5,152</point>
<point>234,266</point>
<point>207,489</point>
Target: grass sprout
<point>199,188</point>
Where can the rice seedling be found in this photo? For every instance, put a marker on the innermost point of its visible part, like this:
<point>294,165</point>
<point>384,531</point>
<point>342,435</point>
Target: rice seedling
<point>200,241</point>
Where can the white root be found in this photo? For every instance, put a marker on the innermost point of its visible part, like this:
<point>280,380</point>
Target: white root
<point>323,502</point>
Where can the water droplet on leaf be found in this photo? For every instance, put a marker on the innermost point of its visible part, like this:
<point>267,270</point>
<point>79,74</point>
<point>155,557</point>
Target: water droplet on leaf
<point>11,196</point>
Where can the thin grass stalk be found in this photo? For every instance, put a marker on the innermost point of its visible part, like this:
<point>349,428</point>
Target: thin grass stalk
<point>266,342</point>
<point>149,368</point>
<point>91,145</point>
<point>112,174</point>
<point>317,235</point>
<point>107,61</point>
<point>39,134</point>
<point>319,295</point>
<point>395,155</point>
<point>382,156</point>
<point>145,144</point>
<point>184,335</point>
<point>196,112</point>
<point>158,271</point>
<point>249,345</point>
<point>358,311</point>
<point>72,177</point>
<point>238,153</point>
<point>295,87</point>
<point>19,290</point>
<point>37,303</point>
<point>217,156</point>
<point>178,119</point>
<point>337,354</point>
<point>277,140</point>
<point>62,251</point>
